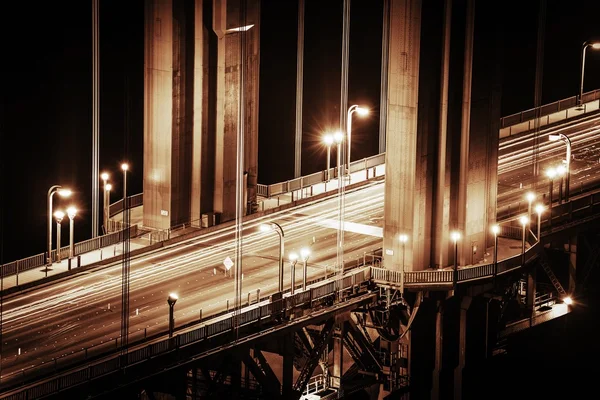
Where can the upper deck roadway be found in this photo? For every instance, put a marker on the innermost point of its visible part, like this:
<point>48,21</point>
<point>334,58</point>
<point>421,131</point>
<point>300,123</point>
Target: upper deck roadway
<point>84,310</point>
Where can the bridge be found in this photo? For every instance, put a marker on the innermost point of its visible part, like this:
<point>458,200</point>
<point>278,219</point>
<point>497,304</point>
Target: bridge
<point>238,333</point>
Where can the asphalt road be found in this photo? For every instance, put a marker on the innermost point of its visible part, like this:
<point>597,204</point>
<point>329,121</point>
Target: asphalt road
<point>68,316</point>
<point>84,311</point>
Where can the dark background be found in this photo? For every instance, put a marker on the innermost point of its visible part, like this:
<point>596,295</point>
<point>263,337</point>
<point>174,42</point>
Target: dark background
<point>46,103</point>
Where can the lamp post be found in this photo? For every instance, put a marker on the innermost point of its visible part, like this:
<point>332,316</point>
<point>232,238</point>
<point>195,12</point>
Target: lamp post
<point>539,209</point>
<point>495,231</point>
<point>108,189</point>
<point>171,300</point>
<point>524,221</point>
<point>71,212</point>
<point>530,196</point>
<point>304,253</point>
<point>595,46</point>
<point>293,260</point>
<point>61,192</point>
<point>455,236</point>
<point>104,177</point>
<point>567,142</point>
<point>124,168</point>
<point>551,174</point>
<point>328,140</point>
<point>58,215</point>
<point>351,110</point>
<point>273,226</point>
<point>560,171</point>
<point>403,239</point>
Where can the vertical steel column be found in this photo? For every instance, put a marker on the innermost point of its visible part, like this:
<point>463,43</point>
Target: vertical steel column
<point>299,91</point>
<point>95,114</point>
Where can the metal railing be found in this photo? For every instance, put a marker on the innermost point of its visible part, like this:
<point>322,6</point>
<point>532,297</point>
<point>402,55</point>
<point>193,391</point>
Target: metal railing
<point>135,200</point>
<point>524,120</point>
<point>25,264</point>
<point>110,362</point>
<point>307,181</point>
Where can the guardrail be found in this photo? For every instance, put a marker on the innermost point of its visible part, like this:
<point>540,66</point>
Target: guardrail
<point>134,201</point>
<point>345,287</point>
<point>559,110</point>
<point>307,181</point>
<point>25,264</point>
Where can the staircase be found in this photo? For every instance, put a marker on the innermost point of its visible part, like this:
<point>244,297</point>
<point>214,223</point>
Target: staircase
<point>548,269</point>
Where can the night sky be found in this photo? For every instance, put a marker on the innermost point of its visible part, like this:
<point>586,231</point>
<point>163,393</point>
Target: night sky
<point>46,102</point>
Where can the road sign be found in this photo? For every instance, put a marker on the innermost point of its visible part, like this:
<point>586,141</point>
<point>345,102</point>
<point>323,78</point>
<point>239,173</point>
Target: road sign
<point>228,263</point>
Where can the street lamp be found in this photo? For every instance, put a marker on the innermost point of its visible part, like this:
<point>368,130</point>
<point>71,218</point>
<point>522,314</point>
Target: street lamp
<point>551,174</point>
<point>58,215</point>
<point>567,141</point>
<point>362,111</point>
<point>595,46</point>
<point>304,253</point>
<point>539,209</point>
<point>293,260</point>
<point>530,196</point>
<point>524,221</point>
<point>171,300</point>
<point>560,171</point>
<point>63,193</point>
<point>273,226</point>
<point>455,236</point>
<point>108,188</point>
<point>328,140</point>
<point>403,239</point>
<point>124,168</point>
<point>71,212</point>
<point>495,231</point>
<point>104,177</point>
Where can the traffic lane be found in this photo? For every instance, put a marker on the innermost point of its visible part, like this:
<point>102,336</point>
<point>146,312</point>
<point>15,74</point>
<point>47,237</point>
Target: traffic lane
<point>108,325</point>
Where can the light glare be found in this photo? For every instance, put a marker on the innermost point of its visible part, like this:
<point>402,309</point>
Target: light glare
<point>539,208</point>
<point>403,238</point>
<point>455,236</point>
<point>328,139</point>
<point>495,229</point>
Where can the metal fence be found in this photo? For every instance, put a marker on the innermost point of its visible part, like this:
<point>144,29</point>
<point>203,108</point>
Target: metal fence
<point>113,362</point>
<point>25,264</point>
<point>134,201</point>
<point>318,177</point>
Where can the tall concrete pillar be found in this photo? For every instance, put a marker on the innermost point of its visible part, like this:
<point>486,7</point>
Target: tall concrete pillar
<point>401,137</point>
<point>236,23</point>
<point>203,142</point>
<point>462,347</point>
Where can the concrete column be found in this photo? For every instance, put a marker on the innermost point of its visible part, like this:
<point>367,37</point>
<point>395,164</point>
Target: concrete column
<point>158,111</point>
<point>441,218</point>
<point>465,132</point>
<point>168,110</point>
<point>462,346</point>
<point>236,24</point>
<point>572,250</point>
<point>401,137</point>
<point>202,179</point>
<point>439,341</point>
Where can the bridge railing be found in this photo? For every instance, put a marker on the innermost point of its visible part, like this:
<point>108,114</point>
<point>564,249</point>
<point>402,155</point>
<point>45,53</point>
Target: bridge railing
<point>559,110</point>
<point>26,264</point>
<point>319,177</point>
<point>134,201</point>
<point>113,362</point>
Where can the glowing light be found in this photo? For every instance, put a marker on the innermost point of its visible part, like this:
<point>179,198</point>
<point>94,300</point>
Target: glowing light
<point>495,229</point>
<point>455,236</point>
<point>403,238</point>
<point>568,300</point>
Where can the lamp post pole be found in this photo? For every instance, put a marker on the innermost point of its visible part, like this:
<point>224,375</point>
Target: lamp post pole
<point>59,215</point>
<point>328,140</point>
<point>305,253</point>
<point>595,46</point>
<point>495,231</point>
<point>567,171</point>
<point>171,300</point>
<point>403,239</point>
<point>277,228</point>
<point>124,167</point>
<point>293,260</point>
<point>455,237</point>
<point>104,177</point>
<point>51,191</point>
<point>71,212</point>
<point>351,110</point>
<point>539,209</point>
<point>108,189</point>
<point>524,221</point>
